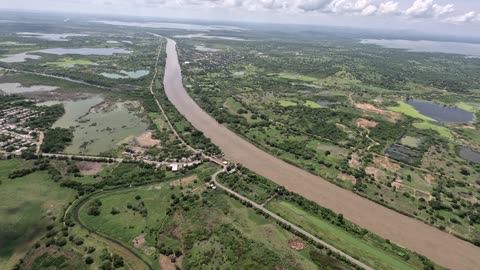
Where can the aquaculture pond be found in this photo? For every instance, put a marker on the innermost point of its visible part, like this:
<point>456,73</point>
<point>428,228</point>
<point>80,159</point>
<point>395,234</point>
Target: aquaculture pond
<point>469,154</point>
<point>126,74</point>
<point>99,125</point>
<point>441,113</point>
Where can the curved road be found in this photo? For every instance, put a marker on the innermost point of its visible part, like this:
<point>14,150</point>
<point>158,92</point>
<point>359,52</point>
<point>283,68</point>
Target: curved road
<point>445,249</point>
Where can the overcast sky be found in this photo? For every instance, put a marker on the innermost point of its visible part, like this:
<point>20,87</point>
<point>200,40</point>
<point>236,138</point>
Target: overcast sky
<point>436,16</point>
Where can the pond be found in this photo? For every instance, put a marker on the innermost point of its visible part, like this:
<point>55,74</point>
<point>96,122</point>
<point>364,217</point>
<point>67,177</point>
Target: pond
<point>468,154</point>
<point>19,57</point>
<point>85,51</point>
<point>17,88</point>
<point>51,37</point>
<point>325,103</point>
<point>202,48</point>
<point>441,113</point>
<point>126,74</point>
<point>100,125</point>
<point>428,46</point>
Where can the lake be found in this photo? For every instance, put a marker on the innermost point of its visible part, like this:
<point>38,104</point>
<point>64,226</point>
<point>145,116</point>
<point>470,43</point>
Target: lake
<point>209,37</point>
<point>202,48</point>
<point>325,103</point>
<point>51,37</point>
<point>126,74</point>
<point>85,51</point>
<point>19,57</point>
<point>182,26</point>
<point>100,125</point>
<point>468,49</point>
<point>441,113</point>
<point>468,154</point>
<point>17,88</point>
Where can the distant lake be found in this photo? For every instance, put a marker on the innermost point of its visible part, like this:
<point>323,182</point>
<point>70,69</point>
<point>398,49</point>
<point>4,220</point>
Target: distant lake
<point>19,57</point>
<point>202,48</point>
<point>441,113</point>
<point>183,26</point>
<point>17,88</point>
<point>469,49</point>
<point>51,37</point>
<point>126,74</point>
<point>468,154</point>
<point>209,37</point>
<point>86,51</point>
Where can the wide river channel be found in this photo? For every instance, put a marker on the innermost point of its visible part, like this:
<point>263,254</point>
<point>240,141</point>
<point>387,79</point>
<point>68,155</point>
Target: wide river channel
<point>443,248</point>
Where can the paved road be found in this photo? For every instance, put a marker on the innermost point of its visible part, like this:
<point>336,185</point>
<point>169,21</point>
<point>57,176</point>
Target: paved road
<point>280,219</point>
<point>443,248</point>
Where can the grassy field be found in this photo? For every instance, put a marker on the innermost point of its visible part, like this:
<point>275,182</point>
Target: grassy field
<point>28,205</point>
<point>312,104</point>
<point>291,76</point>
<point>286,103</point>
<point>408,110</point>
<point>69,62</point>
<point>373,254</point>
<point>443,131</point>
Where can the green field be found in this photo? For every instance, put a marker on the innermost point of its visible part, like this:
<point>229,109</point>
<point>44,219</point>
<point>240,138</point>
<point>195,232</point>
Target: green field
<point>286,103</point>
<point>312,104</point>
<point>443,131</point>
<point>29,204</point>
<point>408,110</point>
<point>69,62</point>
<point>410,141</point>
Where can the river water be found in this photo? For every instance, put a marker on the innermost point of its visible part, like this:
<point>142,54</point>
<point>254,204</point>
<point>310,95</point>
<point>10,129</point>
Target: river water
<point>441,247</point>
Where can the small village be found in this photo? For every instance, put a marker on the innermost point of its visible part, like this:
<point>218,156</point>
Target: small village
<point>15,137</point>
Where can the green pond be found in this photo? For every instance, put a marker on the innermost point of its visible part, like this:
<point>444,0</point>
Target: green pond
<point>99,127</point>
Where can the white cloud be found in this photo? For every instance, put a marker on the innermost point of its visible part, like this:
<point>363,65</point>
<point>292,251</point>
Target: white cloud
<point>428,9</point>
<point>464,18</point>
<point>390,7</point>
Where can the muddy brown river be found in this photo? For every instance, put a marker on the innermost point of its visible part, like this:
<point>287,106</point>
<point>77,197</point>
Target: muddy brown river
<point>441,247</point>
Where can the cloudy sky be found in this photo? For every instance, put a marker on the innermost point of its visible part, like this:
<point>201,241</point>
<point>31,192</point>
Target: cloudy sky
<point>437,16</point>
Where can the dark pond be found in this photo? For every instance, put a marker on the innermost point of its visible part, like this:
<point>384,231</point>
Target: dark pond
<point>468,154</point>
<point>325,103</point>
<point>441,113</point>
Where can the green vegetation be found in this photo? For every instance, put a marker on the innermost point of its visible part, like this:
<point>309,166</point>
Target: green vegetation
<point>29,204</point>
<point>408,110</point>
<point>312,104</point>
<point>286,103</point>
<point>69,63</point>
<point>56,140</point>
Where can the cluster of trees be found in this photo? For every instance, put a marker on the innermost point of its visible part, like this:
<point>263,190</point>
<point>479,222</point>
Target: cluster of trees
<point>56,139</point>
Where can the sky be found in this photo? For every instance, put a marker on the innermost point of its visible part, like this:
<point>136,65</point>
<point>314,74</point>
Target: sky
<point>433,16</point>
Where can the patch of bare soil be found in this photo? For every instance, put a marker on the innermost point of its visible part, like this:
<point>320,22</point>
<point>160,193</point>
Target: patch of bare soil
<point>347,178</point>
<point>184,181</point>
<point>378,174</point>
<point>354,161</point>
<point>146,140</point>
<point>166,262</point>
<point>366,107</point>
<point>364,123</point>
<point>139,241</point>
<point>385,163</point>
<point>297,244</point>
<point>468,127</point>
<point>429,178</point>
<point>90,168</point>
<point>342,126</point>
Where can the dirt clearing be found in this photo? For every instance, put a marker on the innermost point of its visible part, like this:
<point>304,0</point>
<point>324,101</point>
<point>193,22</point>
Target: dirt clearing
<point>297,244</point>
<point>184,181</point>
<point>354,161</point>
<point>385,163</point>
<point>364,123</point>
<point>90,168</point>
<point>139,241</point>
<point>347,178</point>
<point>146,140</point>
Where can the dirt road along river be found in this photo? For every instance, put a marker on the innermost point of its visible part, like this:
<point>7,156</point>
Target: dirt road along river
<point>439,246</point>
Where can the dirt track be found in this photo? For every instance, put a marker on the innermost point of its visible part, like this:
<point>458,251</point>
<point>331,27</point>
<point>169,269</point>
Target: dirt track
<point>441,247</point>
